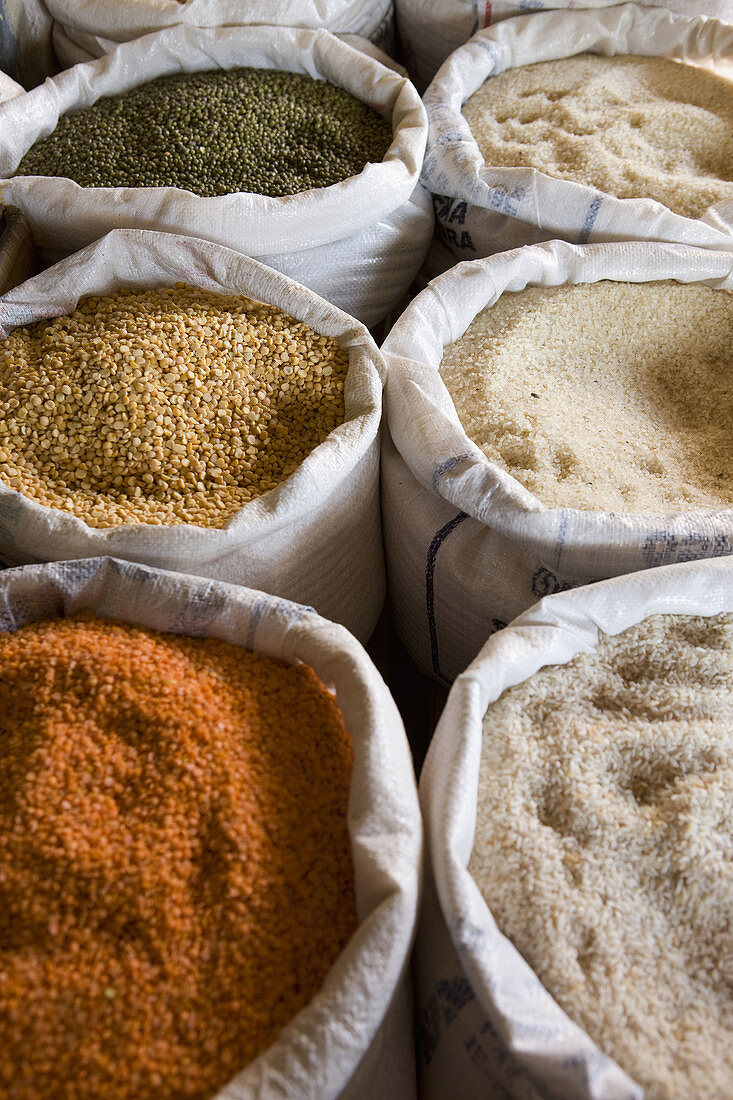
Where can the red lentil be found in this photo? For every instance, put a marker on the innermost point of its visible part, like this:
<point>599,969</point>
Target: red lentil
<point>175,872</point>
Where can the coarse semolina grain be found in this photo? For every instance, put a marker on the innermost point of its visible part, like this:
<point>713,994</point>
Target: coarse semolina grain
<point>633,127</point>
<point>604,845</point>
<point>216,133</point>
<point>175,868</point>
<point>603,395</point>
<point>166,406</point>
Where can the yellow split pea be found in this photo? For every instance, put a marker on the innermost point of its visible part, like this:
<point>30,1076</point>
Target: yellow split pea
<point>166,407</point>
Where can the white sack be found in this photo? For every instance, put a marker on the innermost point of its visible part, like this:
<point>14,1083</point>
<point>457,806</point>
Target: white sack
<point>481,210</point>
<point>73,47</point>
<point>357,243</point>
<point>109,21</point>
<point>430,30</point>
<point>505,1026</point>
<point>468,548</point>
<point>316,538</point>
<point>361,1017</point>
<point>8,87</point>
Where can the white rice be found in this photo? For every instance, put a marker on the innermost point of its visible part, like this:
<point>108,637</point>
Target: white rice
<point>604,845</point>
<point>630,126</point>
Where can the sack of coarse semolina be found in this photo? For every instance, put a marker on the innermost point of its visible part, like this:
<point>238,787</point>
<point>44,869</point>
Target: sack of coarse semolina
<point>430,30</point>
<point>468,545</point>
<point>314,538</point>
<point>358,242</point>
<point>554,891</point>
<point>353,1039</point>
<point>85,29</point>
<point>486,205</point>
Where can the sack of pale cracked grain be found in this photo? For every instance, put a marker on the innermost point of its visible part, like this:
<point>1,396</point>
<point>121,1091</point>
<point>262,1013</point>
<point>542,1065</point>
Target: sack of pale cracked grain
<point>587,436</point>
<point>578,825</point>
<point>216,120</point>
<point>191,428</point>
<point>530,142</point>
<point>84,29</point>
<point>430,30</point>
<point>215,919</point>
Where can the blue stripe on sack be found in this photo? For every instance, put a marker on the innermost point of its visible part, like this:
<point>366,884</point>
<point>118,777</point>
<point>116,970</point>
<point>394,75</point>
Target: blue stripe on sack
<point>590,219</point>
<point>433,549</point>
<point>449,464</point>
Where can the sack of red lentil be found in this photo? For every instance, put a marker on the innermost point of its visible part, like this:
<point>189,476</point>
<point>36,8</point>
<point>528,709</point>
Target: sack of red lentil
<point>430,30</point>
<point>530,142</point>
<point>85,29</point>
<point>349,219</point>
<point>575,915</point>
<point>476,529</point>
<point>350,1035</point>
<point>314,537</point>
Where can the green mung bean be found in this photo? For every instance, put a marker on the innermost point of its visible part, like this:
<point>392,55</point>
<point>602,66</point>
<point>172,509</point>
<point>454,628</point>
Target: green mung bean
<point>215,133</point>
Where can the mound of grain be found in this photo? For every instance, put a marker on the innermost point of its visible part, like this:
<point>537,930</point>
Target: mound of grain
<point>630,126</point>
<point>165,406</point>
<point>605,395</point>
<point>175,869</point>
<point>604,845</point>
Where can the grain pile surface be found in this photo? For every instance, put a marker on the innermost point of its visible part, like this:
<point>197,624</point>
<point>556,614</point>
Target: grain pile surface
<point>633,127</point>
<point>603,395</point>
<point>164,407</point>
<point>213,133</point>
<point>175,870</point>
<point>604,845</point>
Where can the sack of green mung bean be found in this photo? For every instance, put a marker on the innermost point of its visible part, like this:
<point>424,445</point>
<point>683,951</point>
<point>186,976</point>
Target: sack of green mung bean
<point>85,29</point>
<point>557,414</point>
<point>430,30</point>
<point>576,800</point>
<point>190,427</point>
<point>584,126</point>
<point>289,145</point>
<point>340,1029</point>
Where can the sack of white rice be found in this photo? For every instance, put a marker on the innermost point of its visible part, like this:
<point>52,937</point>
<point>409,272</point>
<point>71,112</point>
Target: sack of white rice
<point>583,126</point>
<point>430,30</point>
<point>577,800</point>
<point>228,427</point>
<point>289,145</point>
<point>558,414</point>
<point>210,825</point>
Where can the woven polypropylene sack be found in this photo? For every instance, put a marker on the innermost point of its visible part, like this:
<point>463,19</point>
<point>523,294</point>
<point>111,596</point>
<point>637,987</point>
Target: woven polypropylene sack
<point>354,1039</point>
<point>481,210</point>
<point>469,548</point>
<point>357,243</point>
<point>8,87</point>
<point>95,25</point>
<point>72,47</point>
<point>430,30</point>
<point>316,538</point>
<point>487,1025</point>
